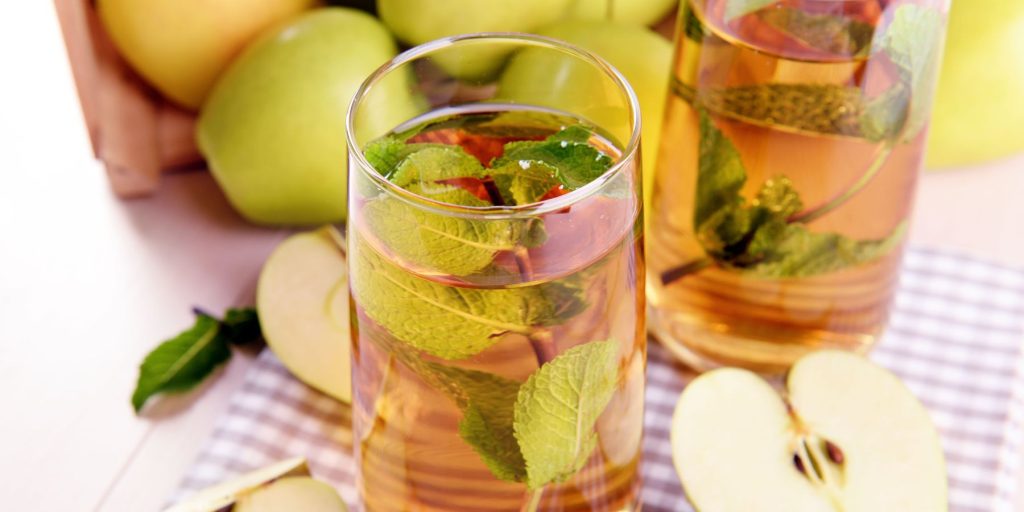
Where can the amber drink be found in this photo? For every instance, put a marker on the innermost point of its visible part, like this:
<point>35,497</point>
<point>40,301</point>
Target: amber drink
<point>792,142</point>
<point>497,282</point>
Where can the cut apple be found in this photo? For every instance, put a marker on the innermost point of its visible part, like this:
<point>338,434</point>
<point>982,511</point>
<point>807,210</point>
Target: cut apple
<point>850,438</point>
<point>223,496</point>
<point>302,299</point>
<point>295,494</point>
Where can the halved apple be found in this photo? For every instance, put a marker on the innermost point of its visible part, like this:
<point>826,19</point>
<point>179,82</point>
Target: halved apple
<point>295,494</point>
<point>849,436</point>
<point>302,300</point>
<point>224,495</point>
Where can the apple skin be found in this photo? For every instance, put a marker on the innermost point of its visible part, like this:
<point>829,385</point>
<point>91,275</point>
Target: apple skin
<point>979,109</point>
<point>182,46</point>
<point>636,12</point>
<point>296,493</point>
<point>640,54</point>
<point>273,129</point>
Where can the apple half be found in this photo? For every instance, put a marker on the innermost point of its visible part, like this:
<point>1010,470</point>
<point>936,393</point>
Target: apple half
<point>848,436</point>
<point>225,495</point>
<point>295,494</point>
<point>302,300</point>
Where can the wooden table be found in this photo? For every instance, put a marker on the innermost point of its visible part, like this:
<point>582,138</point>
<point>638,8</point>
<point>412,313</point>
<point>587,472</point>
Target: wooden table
<point>88,284</point>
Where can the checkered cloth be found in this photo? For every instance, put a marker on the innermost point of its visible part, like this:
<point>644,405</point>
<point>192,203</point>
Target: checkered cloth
<point>955,337</point>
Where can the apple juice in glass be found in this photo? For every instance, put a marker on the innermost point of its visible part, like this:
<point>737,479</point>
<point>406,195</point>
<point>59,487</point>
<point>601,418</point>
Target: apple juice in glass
<point>792,141</point>
<point>497,280</point>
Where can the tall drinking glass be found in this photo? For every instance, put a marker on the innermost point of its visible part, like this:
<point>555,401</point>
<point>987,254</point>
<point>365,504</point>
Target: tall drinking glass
<point>793,138</point>
<point>497,279</point>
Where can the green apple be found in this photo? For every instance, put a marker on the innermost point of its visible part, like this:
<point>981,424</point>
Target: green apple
<point>848,436</point>
<point>636,12</point>
<point>302,300</point>
<point>294,494</point>
<point>979,108</point>
<point>223,496</point>
<point>273,129</point>
<point>641,55</point>
<point>416,22</point>
<point>181,46</point>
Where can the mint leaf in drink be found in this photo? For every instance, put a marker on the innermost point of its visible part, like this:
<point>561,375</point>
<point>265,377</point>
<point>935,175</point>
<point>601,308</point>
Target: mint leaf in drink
<point>575,161</point>
<point>434,163</point>
<point>817,108</point>
<point>720,173</point>
<point>524,182</point>
<point>912,41</point>
<point>557,407</point>
<point>739,8</point>
<point>885,116</point>
<point>800,252</point>
<point>447,321</point>
<point>838,35</point>
<point>693,27</point>
<point>386,153</point>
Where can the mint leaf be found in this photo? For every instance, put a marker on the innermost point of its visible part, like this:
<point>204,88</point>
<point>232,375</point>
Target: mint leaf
<point>720,173</point>
<point>801,253</point>
<point>386,153</point>
<point>180,363</point>
<point>912,41</point>
<point>520,124</point>
<point>885,116</point>
<point>817,108</point>
<point>433,163</point>
<point>693,27</point>
<point>241,326</point>
<point>524,182</point>
<point>576,162</point>
<point>739,8</point>
<point>447,321</point>
<point>830,33</point>
<point>557,407</point>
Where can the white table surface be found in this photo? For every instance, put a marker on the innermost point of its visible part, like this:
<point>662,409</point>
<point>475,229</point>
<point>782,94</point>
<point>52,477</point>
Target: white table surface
<point>88,284</point>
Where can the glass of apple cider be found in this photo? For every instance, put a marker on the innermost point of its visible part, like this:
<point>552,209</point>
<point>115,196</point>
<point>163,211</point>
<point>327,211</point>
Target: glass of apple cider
<point>497,279</point>
<point>793,137</point>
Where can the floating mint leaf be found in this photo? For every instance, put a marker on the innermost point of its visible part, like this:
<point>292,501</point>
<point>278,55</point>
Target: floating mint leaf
<point>911,41</point>
<point>739,8</point>
<point>830,33</point>
<point>446,321</point>
<point>802,253</point>
<point>180,363</point>
<point>557,407</point>
<point>524,182</point>
<point>817,108</point>
<point>576,162</point>
<point>520,124</point>
<point>386,153</point>
<point>434,163</point>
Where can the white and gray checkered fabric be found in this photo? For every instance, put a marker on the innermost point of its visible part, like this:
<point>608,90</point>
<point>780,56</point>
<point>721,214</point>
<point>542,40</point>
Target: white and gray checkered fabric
<point>956,339</point>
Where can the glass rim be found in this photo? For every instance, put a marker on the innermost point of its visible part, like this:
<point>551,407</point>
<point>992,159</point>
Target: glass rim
<point>495,212</point>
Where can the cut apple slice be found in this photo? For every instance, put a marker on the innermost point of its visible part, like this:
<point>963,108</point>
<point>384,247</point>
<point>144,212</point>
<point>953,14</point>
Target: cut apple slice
<point>302,299</point>
<point>850,438</point>
<point>295,494</point>
<point>222,496</point>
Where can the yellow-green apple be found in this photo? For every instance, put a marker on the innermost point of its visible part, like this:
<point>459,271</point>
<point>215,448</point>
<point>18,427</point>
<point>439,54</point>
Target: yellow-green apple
<point>641,55</point>
<point>181,46</point>
<point>979,105</point>
<point>292,494</point>
<point>637,12</point>
<point>302,300</point>
<point>225,495</point>
<point>273,129</point>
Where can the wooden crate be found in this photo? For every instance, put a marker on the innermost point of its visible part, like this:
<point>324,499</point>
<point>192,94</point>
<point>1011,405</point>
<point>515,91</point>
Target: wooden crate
<point>135,133</point>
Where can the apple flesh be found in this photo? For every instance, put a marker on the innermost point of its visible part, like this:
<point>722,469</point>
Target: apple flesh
<point>849,437</point>
<point>293,494</point>
<point>302,301</point>
<point>223,496</point>
<point>273,129</point>
<point>182,46</point>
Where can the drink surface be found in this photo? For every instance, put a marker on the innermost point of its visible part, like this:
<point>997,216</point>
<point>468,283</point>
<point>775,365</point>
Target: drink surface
<point>791,147</point>
<point>498,358</point>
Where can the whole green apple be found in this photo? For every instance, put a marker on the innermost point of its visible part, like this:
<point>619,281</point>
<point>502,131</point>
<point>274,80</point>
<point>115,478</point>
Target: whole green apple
<point>182,46</point>
<point>979,106</point>
<point>273,129</point>
<point>641,55</point>
<point>637,12</point>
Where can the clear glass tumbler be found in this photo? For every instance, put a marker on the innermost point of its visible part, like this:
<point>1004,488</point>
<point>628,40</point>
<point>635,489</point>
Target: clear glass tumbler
<point>497,279</point>
<point>792,142</point>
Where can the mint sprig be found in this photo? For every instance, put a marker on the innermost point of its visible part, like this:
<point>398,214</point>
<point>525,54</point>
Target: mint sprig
<point>182,362</point>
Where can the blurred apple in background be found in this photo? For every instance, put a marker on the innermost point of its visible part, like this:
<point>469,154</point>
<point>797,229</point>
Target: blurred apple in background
<point>979,106</point>
<point>181,46</point>
<point>273,129</point>
<point>641,55</point>
<point>637,12</point>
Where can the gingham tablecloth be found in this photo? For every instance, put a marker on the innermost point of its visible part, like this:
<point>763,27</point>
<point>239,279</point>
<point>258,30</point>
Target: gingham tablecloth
<point>955,337</point>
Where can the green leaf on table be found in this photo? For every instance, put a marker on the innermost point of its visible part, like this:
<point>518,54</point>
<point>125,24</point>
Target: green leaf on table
<point>911,40</point>
<point>739,8</point>
<point>568,152</point>
<point>838,35</point>
<point>182,362</point>
<point>817,108</point>
<point>557,407</point>
<point>447,321</point>
<point>241,326</point>
<point>524,182</point>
